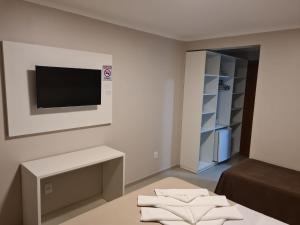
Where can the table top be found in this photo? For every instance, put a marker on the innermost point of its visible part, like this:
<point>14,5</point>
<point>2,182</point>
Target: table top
<point>57,164</point>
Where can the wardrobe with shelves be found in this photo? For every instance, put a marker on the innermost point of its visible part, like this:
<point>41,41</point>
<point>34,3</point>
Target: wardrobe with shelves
<point>213,104</point>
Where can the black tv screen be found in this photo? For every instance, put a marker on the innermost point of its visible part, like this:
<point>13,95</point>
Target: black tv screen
<point>62,87</point>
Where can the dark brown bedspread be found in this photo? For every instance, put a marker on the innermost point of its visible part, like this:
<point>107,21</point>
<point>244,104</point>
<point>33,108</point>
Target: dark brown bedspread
<point>266,188</point>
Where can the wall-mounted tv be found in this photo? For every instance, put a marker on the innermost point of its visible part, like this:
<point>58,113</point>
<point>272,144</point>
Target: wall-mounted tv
<point>63,87</point>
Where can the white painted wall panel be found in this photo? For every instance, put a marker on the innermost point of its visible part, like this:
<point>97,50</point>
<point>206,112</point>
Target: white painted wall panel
<point>23,116</point>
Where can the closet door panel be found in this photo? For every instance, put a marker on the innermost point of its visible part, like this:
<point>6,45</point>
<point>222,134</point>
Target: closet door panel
<point>192,110</point>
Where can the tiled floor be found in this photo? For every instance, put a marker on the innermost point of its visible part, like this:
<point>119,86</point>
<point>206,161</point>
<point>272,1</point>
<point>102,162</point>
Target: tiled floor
<point>207,179</point>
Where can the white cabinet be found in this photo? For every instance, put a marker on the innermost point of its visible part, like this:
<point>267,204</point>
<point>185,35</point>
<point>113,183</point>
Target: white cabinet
<point>34,172</point>
<point>213,98</point>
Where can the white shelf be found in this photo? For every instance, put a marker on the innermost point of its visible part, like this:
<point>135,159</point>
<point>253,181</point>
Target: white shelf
<point>208,94</point>
<point>225,77</point>
<point>220,126</point>
<point>211,75</point>
<point>235,124</point>
<point>205,165</point>
<point>53,165</point>
<point>207,130</point>
<point>36,171</point>
<point>204,113</point>
<point>236,108</point>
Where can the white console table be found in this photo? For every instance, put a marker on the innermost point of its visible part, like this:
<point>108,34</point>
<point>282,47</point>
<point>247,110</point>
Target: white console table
<point>111,160</point>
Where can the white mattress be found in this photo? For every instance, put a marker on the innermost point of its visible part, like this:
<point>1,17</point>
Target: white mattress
<point>124,210</point>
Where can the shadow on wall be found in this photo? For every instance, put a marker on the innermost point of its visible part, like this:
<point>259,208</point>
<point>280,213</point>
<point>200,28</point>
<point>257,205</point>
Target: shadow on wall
<point>11,206</point>
<point>167,123</point>
<point>5,121</point>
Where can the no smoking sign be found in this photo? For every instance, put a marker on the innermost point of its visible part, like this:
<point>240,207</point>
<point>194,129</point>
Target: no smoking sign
<point>107,75</point>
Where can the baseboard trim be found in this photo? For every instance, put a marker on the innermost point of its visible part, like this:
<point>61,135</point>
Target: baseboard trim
<point>151,175</point>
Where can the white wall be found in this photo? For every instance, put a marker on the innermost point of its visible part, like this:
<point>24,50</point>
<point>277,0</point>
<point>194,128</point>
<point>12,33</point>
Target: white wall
<point>275,132</point>
<point>147,96</point>
<point>147,99</point>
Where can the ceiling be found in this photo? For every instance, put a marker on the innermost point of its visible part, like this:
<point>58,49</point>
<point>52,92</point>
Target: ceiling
<point>189,20</point>
<point>249,53</point>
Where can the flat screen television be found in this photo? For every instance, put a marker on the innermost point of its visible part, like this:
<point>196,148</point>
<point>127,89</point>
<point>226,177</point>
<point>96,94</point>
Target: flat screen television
<point>63,87</point>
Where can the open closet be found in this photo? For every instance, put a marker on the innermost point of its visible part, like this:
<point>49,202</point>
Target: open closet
<point>214,93</point>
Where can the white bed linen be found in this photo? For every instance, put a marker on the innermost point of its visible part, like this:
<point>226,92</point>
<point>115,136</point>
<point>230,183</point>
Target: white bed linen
<point>124,210</point>
<point>192,215</point>
<point>215,200</point>
<point>252,217</point>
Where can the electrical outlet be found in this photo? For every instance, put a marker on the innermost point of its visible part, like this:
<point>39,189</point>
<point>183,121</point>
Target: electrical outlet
<point>155,155</point>
<point>48,188</point>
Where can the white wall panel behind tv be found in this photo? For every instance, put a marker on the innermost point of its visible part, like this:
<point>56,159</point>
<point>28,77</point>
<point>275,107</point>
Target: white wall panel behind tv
<point>19,69</point>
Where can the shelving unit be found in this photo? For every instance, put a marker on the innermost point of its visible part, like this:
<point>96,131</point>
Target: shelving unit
<point>236,119</point>
<point>213,99</point>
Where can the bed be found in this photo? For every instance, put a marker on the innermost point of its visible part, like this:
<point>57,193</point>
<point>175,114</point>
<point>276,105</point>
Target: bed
<point>124,210</point>
<point>266,188</point>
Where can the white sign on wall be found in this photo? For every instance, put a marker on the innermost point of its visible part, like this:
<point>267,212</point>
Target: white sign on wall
<point>107,73</point>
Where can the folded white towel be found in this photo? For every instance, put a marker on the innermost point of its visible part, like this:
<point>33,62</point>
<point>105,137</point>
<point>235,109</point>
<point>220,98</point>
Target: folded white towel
<point>185,195</point>
<point>189,214</point>
<point>216,200</point>
<point>228,213</point>
<point>209,222</point>
<point>149,214</point>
